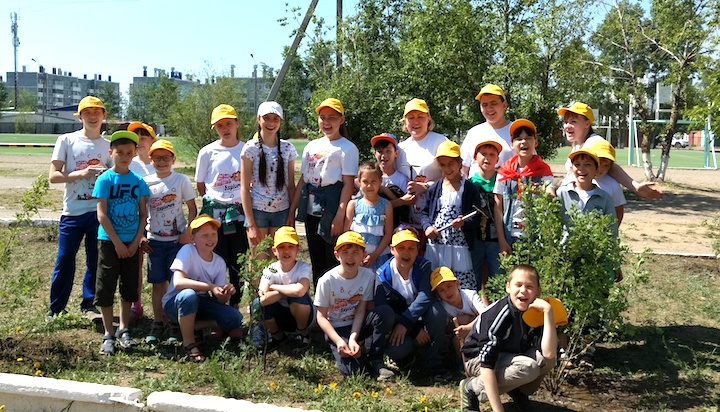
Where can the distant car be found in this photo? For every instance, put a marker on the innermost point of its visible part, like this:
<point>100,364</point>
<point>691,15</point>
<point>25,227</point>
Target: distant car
<point>680,140</point>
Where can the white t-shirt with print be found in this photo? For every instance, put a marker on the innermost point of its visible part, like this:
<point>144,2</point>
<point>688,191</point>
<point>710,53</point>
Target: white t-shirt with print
<point>219,168</point>
<point>472,304</point>
<point>189,262</point>
<point>140,168</point>
<point>325,161</point>
<point>274,275</point>
<point>166,220</point>
<point>342,296</point>
<point>78,152</point>
<point>268,198</point>
<point>481,132</point>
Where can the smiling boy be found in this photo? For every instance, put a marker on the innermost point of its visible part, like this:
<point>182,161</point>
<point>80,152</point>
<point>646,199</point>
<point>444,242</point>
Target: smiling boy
<point>342,297</point>
<point>524,168</point>
<point>503,353</point>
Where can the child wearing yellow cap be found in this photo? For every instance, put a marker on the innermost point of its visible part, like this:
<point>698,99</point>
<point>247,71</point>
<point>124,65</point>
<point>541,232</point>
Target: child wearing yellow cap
<point>328,169</point>
<point>463,304</point>
<point>284,292</point>
<point>199,287</point>
<point>447,201</point>
<point>78,158</point>
<point>167,228</point>
<point>217,176</point>
<point>341,297</point>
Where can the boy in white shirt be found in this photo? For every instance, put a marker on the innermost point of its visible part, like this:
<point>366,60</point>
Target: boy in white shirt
<point>284,292</point>
<point>342,297</point>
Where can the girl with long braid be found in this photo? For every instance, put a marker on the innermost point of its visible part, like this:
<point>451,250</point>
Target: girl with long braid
<point>267,178</point>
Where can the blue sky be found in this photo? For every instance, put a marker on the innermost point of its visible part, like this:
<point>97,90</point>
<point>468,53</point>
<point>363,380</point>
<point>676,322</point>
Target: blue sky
<point>119,37</point>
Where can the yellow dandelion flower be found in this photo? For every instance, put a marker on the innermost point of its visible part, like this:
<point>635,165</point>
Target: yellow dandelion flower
<point>356,395</point>
<point>2,407</point>
<point>273,385</point>
<point>36,365</point>
<point>333,385</point>
<point>388,391</point>
<point>38,372</point>
<point>20,359</point>
<point>374,394</point>
<point>423,399</point>
<point>18,329</point>
<point>319,388</point>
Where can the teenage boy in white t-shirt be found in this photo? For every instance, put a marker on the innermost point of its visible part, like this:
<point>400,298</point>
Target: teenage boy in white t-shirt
<point>167,229</point>
<point>284,292</point>
<point>77,160</point>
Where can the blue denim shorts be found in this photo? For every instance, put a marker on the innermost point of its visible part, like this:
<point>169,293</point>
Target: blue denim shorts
<point>269,219</point>
<point>159,261</point>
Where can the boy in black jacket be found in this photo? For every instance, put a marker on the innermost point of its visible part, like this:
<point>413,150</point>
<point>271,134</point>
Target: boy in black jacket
<point>505,355</point>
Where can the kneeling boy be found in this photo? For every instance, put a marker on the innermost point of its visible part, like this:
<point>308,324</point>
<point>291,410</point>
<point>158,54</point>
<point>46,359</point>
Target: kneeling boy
<point>199,287</point>
<point>342,298</point>
<point>505,355</point>
<point>283,291</point>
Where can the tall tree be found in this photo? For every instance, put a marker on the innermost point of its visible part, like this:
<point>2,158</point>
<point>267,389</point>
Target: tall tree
<point>681,31</point>
<point>111,100</point>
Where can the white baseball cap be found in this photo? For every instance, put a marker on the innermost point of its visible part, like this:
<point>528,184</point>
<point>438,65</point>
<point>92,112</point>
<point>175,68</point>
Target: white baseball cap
<point>270,107</point>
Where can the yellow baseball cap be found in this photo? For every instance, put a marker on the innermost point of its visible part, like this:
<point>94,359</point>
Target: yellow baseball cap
<point>124,134</point>
<point>578,108</point>
<point>403,236</point>
<point>440,275</point>
<point>139,125</point>
<point>203,219</point>
<point>223,111</point>
<point>603,149</point>
<point>333,104</point>
<point>490,89</point>
<point>87,102</point>
<point>286,234</point>
<point>162,144</point>
<point>535,318</point>
<point>520,123</point>
<point>492,142</point>
<point>448,148</point>
<point>584,151</point>
<point>416,104</point>
<point>349,238</point>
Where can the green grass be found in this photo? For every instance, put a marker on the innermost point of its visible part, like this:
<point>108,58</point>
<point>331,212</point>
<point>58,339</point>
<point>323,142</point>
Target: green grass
<point>681,158</point>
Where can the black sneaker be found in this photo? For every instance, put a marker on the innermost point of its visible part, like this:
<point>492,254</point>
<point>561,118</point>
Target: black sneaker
<point>522,401</point>
<point>441,376</point>
<point>273,343</point>
<point>301,342</point>
<point>380,372</point>
<point>469,402</point>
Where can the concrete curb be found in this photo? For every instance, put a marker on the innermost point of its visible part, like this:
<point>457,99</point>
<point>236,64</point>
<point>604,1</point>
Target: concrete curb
<point>182,402</point>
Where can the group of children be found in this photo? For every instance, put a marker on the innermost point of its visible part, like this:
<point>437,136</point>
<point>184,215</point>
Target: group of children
<point>382,299</point>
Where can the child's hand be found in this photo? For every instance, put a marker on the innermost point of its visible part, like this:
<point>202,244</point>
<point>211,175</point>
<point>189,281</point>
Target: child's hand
<point>336,229</point>
<point>354,348</point>
<point>417,188</point>
<point>462,331</point>
<point>541,305</point>
<point>422,338</point>
<point>431,232</point>
<point>253,234</point>
<point>458,222</point>
<point>408,198</point>
<point>369,260</point>
<point>145,246</point>
<point>397,336</point>
<point>185,238</point>
<point>505,248</point>
<point>122,251</point>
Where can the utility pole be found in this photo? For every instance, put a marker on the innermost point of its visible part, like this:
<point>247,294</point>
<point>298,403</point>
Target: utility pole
<point>338,34</point>
<point>16,44</point>
<point>255,86</point>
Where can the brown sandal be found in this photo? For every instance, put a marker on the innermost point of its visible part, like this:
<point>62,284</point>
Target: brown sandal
<point>193,354</point>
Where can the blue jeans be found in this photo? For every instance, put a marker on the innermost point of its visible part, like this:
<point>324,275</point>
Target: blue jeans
<point>159,261</point>
<point>485,252</point>
<point>188,302</point>
<point>376,327</point>
<point>71,231</point>
<point>434,320</point>
<point>269,219</point>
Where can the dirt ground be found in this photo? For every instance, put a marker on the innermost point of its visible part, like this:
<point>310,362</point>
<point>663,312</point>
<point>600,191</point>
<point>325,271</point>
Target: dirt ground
<point>672,225</point>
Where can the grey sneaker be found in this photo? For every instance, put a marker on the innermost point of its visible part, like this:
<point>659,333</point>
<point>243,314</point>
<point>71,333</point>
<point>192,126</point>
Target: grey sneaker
<point>468,400</point>
<point>381,373</point>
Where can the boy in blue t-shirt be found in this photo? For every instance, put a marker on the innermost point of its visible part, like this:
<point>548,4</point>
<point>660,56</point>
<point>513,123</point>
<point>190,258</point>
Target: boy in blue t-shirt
<point>122,213</point>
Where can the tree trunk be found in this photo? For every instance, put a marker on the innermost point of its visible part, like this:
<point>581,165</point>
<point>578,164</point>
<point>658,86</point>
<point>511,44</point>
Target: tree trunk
<point>663,166</point>
<point>674,113</point>
<point>647,165</point>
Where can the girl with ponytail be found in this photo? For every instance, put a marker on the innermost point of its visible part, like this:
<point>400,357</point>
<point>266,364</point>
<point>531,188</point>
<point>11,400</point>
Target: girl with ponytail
<point>267,178</point>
